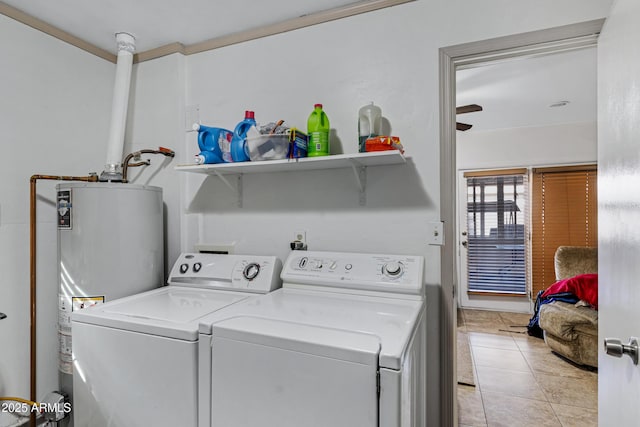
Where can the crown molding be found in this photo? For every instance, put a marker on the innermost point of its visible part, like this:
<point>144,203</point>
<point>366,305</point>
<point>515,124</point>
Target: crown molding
<point>215,43</point>
<point>49,29</point>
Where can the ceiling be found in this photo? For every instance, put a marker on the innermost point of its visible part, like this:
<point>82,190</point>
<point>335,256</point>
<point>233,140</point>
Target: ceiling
<point>519,92</point>
<point>159,23</point>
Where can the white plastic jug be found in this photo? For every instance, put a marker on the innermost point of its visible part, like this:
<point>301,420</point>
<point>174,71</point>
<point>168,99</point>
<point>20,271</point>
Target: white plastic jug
<point>369,124</point>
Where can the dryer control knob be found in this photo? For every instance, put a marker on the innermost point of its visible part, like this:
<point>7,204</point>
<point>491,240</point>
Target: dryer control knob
<point>184,268</point>
<point>392,269</point>
<point>197,267</point>
<point>251,271</point>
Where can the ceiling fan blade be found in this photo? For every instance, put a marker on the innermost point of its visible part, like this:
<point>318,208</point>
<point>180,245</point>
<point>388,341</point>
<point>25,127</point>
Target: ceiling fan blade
<point>463,126</point>
<point>471,108</point>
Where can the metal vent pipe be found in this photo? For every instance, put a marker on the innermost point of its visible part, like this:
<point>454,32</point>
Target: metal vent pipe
<point>115,145</point>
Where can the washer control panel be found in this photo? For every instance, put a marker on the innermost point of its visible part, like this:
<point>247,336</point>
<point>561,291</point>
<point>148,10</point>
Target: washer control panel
<point>373,272</point>
<point>251,273</point>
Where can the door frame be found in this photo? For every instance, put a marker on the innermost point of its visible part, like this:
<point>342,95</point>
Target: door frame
<point>452,58</point>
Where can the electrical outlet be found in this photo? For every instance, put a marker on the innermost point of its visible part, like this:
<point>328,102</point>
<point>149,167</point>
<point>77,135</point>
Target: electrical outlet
<point>300,236</point>
<point>299,242</point>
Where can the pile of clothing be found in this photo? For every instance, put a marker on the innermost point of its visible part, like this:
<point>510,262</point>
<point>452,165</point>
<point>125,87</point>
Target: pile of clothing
<point>581,289</point>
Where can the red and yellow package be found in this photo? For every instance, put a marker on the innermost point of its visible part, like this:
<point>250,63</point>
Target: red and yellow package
<point>382,143</point>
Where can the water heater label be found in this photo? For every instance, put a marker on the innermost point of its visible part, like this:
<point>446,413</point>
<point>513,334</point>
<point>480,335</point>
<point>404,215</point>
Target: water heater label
<point>79,303</point>
<point>65,359</point>
<point>64,209</point>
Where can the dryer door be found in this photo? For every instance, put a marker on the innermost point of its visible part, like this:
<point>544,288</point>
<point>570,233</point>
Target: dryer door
<point>279,374</point>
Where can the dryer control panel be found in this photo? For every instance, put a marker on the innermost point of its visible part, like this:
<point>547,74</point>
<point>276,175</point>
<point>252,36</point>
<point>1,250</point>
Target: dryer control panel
<point>251,273</point>
<point>403,274</point>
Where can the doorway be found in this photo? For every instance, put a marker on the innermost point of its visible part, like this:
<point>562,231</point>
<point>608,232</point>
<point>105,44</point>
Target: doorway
<point>451,59</point>
<point>536,112</point>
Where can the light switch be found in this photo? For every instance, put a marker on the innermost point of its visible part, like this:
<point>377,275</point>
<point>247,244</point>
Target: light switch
<point>435,233</point>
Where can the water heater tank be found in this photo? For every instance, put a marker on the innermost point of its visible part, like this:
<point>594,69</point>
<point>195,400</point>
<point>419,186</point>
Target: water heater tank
<point>110,245</point>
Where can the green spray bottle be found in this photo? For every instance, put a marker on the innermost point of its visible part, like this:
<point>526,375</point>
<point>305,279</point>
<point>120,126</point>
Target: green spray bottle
<point>318,130</point>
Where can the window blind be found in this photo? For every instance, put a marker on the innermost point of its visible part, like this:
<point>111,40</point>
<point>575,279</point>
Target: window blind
<point>496,220</point>
<point>564,212</point>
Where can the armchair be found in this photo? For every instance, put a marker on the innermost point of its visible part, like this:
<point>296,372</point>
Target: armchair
<point>571,330</point>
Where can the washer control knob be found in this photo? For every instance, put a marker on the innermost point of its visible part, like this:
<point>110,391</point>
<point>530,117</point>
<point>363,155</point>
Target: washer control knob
<point>184,268</point>
<point>197,267</point>
<point>251,271</point>
<point>392,269</point>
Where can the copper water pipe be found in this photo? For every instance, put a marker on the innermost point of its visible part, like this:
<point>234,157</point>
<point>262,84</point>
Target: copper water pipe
<point>126,165</point>
<point>32,267</point>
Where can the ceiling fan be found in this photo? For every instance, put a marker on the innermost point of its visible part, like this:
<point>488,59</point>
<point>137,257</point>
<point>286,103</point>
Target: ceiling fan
<point>471,108</point>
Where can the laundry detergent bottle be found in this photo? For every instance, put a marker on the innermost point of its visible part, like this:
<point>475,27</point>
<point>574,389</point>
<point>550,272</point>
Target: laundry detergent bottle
<point>369,123</point>
<point>239,152</point>
<point>318,130</point>
<point>214,144</point>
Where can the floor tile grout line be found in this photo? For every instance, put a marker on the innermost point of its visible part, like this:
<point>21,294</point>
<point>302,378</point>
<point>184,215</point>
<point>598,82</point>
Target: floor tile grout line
<point>502,349</point>
<point>475,373</point>
<point>477,378</point>
<point>556,414</point>
<point>506,394</point>
<point>535,377</point>
<point>542,389</point>
<point>475,370</point>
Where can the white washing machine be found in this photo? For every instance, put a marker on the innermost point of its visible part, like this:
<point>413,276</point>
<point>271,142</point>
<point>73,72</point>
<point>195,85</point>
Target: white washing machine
<point>135,360</point>
<point>342,344</point>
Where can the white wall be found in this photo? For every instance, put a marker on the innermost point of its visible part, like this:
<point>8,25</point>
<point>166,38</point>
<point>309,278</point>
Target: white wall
<point>156,119</point>
<point>570,143</point>
<point>54,117</point>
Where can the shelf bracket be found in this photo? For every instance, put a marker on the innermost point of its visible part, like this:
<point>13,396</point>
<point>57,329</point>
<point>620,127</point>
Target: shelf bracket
<point>360,173</point>
<point>237,188</point>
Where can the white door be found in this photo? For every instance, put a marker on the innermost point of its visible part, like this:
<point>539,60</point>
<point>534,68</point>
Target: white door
<point>619,210</point>
<point>501,267</point>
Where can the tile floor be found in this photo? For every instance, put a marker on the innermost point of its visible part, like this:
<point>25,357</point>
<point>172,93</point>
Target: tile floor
<point>519,381</point>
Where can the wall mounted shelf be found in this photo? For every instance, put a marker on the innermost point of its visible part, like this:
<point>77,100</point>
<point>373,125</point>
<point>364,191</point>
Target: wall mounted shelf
<point>358,162</point>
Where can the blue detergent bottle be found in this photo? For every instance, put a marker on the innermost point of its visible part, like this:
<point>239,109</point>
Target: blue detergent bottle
<point>239,152</point>
<point>214,144</point>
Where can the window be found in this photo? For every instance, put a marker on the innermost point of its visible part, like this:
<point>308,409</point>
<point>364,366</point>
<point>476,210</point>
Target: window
<point>496,230</point>
<point>564,212</point>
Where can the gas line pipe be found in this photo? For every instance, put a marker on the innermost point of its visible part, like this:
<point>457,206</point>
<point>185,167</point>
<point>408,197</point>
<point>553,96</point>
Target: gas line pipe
<point>136,156</point>
<point>32,269</point>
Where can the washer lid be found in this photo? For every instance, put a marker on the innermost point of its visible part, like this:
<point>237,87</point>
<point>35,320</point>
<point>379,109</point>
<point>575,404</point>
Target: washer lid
<point>338,344</point>
<point>172,311</point>
<point>391,321</point>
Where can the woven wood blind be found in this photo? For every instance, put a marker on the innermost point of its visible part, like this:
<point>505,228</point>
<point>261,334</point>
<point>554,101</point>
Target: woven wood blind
<point>564,212</point>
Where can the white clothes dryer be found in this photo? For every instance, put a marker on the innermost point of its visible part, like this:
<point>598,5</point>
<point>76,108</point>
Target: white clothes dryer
<point>342,344</point>
<point>135,359</point>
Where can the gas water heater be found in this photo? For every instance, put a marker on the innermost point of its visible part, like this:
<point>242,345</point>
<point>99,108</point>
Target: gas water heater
<point>110,245</point>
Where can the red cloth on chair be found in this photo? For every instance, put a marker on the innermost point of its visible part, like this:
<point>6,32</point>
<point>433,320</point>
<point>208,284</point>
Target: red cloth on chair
<point>584,286</point>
